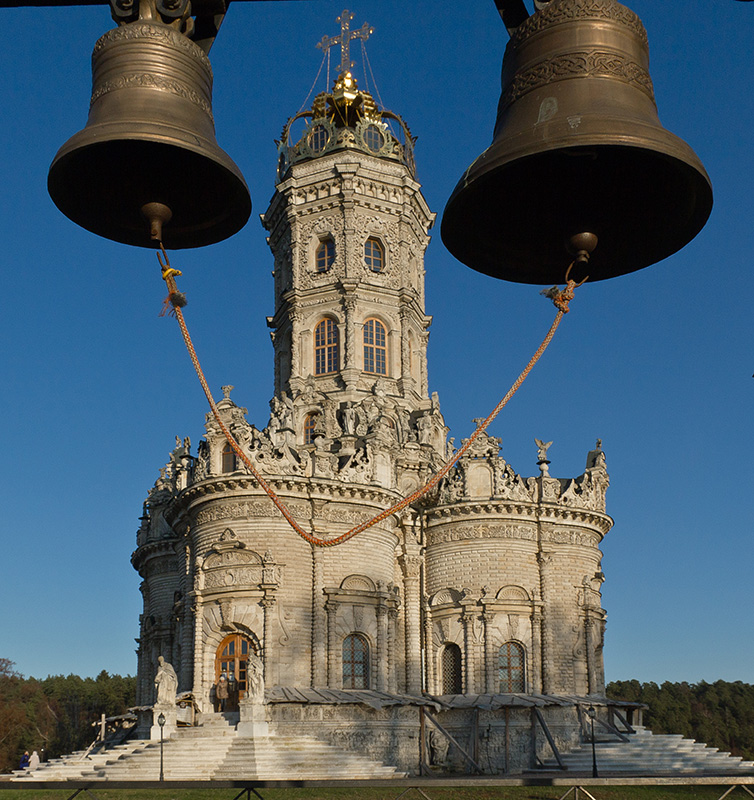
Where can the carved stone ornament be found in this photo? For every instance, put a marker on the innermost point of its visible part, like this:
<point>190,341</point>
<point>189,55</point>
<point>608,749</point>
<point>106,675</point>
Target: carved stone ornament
<point>516,594</point>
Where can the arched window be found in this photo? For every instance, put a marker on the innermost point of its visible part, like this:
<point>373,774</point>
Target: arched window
<point>511,667</point>
<point>310,426</point>
<point>375,347</point>
<point>374,254</point>
<point>325,255</point>
<point>326,356</point>
<point>355,662</point>
<point>451,669</point>
<point>229,459</point>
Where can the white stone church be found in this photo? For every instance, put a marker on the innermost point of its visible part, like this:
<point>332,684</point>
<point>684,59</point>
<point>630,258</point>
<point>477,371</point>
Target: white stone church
<point>485,594</point>
<point>464,633</point>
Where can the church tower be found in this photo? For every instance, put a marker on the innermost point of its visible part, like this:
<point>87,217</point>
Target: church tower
<point>489,585</point>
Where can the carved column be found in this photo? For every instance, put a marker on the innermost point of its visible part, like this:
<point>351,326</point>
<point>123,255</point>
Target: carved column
<point>199,689</point>
<point>547,650</point>
<point>295,319</point>
<point>186,630</point>
<point>267,603</point>
<point>406,380</point>
<point>319,623</point>
<point>331,609</point>
<point>490,662</point>
<point>536,651</point>
<point>349,359</point>
<point>424,339</point>
<point>269,586</point>
<point>350,369</point>
<point>589,635</point>
<point>392,672</point>
<point>410,562</point>
<point>429,651</point>
<point>381,676</point>
<point>469,660</point>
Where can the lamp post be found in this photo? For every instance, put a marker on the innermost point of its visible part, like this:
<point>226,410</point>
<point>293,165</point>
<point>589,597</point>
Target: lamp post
<point>592,714</point>
<point>161,723</point>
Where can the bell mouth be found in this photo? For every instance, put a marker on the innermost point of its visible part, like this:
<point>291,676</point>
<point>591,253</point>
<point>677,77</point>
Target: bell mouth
<point>102,186</point>
<point>512,220</point>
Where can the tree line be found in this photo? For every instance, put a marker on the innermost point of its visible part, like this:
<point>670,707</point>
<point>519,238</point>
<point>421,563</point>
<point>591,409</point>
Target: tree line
<point>55,714</point>
<point>721,714</point>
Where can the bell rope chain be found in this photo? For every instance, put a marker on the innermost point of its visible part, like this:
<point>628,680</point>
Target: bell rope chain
<point>176,299</point>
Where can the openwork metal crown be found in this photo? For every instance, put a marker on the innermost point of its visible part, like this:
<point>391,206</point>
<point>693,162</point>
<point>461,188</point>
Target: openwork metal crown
<point>345,119</point>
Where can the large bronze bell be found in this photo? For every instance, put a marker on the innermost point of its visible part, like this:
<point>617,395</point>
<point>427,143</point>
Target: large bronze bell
<point>150,144</point>
<point>578,149</point>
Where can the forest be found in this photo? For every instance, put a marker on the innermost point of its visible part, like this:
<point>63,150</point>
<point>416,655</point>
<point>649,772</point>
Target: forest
<point>720,713</point>
<point>55,715</point>
<point>58,714</point>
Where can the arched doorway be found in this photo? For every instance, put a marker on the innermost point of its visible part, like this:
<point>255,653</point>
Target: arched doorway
<point>231,660</point>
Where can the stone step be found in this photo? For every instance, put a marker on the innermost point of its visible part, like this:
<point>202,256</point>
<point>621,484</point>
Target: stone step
<point>647,753</point>
<point>215,750</point>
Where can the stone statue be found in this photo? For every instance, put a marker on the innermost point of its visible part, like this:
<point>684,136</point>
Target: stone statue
<point>256,678</point>
<point>166,682</point>
<point>285,409</point>
<point>542,448</point>
<point>596,457</point>
<point>349,419</point>
<point>424,425</point>
<point>542,460</point>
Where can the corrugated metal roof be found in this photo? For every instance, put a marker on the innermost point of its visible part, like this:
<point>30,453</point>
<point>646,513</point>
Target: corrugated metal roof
<point>377,700</point>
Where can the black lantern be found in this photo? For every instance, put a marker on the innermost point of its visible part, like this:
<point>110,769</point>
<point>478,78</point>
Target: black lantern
<point>161,723</point>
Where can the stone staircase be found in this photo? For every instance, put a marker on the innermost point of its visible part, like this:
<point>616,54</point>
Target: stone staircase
<point>647,753</point>
<point>214,751</point>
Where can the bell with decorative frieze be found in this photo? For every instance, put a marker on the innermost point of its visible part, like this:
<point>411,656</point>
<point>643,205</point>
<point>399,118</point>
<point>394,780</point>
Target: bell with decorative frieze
<point>579,160</point>
<point>149,147</point>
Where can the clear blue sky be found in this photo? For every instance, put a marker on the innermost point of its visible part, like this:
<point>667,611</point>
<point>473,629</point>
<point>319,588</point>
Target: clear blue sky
<point>658,363</point>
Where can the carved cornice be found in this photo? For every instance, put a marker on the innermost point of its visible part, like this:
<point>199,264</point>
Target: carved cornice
<point>544,512</point>
<point>147,552</point>
<point>305,488</point>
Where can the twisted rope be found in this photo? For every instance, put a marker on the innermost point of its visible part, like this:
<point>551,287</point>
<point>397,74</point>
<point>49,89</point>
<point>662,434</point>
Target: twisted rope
<point>176,300</point>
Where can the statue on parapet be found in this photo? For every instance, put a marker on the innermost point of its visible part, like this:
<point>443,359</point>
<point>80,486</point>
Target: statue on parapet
<point>542,461</point>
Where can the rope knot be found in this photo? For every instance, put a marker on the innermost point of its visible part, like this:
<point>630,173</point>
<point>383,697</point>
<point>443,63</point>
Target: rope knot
<point>561,297</point>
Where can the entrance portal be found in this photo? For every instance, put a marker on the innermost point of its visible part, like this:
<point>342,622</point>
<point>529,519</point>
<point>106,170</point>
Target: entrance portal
<point>231,662</point>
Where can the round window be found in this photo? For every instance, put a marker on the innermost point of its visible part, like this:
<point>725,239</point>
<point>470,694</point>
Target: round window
<point>318,138</point>
<point>374,138</point>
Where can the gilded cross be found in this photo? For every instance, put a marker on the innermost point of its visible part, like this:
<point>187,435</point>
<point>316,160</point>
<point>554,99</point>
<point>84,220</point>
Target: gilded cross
<point>344,40</point>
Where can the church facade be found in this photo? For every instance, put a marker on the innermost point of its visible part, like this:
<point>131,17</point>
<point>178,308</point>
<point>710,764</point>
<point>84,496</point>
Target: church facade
<point>483,595</point>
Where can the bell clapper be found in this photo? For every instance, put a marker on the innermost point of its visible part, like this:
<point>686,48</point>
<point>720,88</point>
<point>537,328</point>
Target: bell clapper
<point>157,214</point>
<point>582,245</point>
